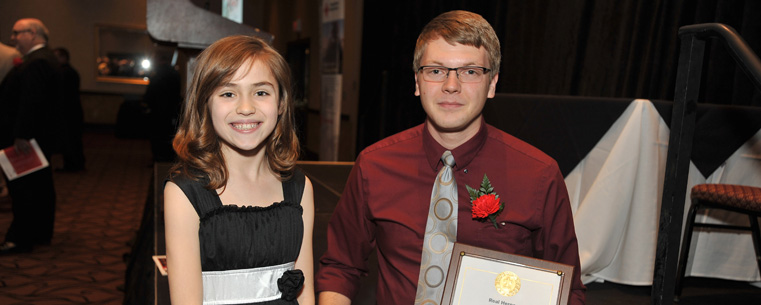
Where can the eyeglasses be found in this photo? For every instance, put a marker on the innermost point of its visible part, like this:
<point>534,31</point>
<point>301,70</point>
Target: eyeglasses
<point>16,33</point>
<point>467,74</point>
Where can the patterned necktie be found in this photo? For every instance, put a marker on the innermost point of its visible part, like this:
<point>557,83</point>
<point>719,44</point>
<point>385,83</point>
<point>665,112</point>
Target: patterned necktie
<point>440,235</point>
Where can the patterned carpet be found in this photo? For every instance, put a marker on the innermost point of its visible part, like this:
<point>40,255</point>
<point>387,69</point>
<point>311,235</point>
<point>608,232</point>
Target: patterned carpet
<point>98,212</point>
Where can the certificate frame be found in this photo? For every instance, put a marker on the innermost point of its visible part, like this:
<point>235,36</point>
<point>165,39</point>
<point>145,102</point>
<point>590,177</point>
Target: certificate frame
<point>464,255</point>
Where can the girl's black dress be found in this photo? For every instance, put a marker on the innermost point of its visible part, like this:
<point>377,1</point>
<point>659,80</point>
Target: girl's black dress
<point>236,239</point>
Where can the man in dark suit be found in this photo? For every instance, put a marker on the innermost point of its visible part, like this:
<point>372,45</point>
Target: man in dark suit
<point>29,103</point>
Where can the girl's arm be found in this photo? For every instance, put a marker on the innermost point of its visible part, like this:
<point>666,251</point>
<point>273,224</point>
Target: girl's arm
<point>305,261</point>
<point>183,252</point>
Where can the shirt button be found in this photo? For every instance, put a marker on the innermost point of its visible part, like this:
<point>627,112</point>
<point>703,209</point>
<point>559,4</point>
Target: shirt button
<point>465,170</point>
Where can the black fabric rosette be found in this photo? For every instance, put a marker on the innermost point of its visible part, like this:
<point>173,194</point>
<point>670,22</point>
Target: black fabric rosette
<point>290,284</point>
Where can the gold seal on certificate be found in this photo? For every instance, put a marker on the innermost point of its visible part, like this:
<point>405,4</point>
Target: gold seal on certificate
<point>507,283</point>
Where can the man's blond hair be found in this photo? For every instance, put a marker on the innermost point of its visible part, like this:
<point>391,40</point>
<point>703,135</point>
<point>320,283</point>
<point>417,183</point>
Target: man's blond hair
<point>461,27</point>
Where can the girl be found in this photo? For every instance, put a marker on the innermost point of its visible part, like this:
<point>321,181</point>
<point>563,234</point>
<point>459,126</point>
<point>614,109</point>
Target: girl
<point>226,241</point>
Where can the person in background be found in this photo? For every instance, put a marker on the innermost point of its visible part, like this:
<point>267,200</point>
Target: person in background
<point>163,99</point>
<point>9,56</point>
<point>238,213</point>
<point>72,116</point>
<point>387,202</point>
<point>29,98</point>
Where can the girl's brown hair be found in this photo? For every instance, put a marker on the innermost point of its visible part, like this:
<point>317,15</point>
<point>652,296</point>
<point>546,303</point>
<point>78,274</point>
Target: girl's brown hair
<point>197,144</point>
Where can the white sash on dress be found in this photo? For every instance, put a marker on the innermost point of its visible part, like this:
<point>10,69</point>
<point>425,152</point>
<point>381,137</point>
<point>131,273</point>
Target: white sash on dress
<point>243,285</point>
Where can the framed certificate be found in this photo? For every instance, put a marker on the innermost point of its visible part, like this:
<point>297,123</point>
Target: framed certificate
<point>481,276</point>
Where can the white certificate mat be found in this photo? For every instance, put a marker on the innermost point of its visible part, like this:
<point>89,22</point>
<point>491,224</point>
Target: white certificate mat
<point>481,276</point>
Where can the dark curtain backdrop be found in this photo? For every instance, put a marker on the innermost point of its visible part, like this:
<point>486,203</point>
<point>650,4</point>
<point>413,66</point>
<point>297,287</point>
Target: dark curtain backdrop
<point>598,48</point>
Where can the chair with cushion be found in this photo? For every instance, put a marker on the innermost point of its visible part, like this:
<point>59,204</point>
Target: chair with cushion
<point>735,198</point>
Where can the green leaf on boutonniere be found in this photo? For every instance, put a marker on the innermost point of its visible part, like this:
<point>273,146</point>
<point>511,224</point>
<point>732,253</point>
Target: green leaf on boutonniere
<point>485,203</point>
<point>474,193</point>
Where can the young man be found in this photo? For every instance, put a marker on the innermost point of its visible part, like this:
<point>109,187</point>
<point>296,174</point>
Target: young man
<point>387,198</point>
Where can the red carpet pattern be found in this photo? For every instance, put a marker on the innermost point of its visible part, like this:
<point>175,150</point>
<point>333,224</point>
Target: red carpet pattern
<point>98,213</point>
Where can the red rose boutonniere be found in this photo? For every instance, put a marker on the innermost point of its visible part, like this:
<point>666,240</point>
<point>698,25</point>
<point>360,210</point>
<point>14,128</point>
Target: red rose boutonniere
<point>485,202</point>
<point>17,61</point>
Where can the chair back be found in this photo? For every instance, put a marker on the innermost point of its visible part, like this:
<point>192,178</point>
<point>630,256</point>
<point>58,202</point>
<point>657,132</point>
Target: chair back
<point>689,70</point>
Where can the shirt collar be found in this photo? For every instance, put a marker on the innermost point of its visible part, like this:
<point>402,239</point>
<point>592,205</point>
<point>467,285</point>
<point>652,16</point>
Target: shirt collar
<point>462,154</point>
<point>35,48</point>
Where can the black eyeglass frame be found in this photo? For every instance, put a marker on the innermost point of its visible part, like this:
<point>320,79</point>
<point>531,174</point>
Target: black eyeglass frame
<point>16,33</point>
<point>486,70</point>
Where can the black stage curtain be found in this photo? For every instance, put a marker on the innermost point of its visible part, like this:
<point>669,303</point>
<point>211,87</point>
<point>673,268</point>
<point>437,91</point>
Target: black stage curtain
<point>594,48</point>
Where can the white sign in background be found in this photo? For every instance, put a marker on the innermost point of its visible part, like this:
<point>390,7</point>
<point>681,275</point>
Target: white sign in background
<point>331,61</point>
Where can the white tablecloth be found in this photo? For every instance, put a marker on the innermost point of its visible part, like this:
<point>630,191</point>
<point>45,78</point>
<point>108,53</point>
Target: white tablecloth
<point>616,192</point>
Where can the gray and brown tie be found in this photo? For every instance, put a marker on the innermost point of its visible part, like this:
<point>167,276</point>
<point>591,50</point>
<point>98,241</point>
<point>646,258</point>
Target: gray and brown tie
<point>440,235</point>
